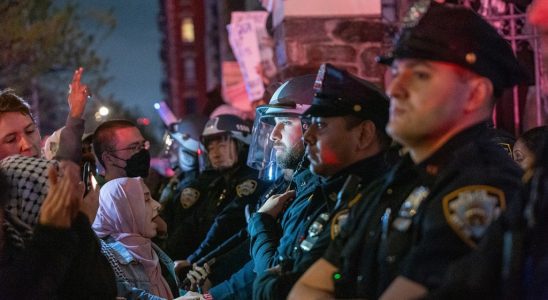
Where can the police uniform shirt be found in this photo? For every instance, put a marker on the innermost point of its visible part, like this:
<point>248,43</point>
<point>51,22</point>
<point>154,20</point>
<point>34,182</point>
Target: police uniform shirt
<point>235,250</point>
<point>224,214</point>
<point>179,240</point>
<point>268,237</point>
<point>212,198</point>
<point>420,218</point>
<point>325,224</point>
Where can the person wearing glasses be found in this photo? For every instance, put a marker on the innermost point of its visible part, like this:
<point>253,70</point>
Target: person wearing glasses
<point>121,149</point>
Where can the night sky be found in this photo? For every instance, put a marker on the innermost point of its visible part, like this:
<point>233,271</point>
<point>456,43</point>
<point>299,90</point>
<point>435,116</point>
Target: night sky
<point>133,51</point>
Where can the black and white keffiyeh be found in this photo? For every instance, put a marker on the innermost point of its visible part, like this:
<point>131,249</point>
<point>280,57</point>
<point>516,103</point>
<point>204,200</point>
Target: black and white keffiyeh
<point>28,180</point>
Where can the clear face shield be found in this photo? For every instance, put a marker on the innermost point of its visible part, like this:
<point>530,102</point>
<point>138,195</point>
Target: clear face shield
<point>276,142</point>
<point>261,155</point>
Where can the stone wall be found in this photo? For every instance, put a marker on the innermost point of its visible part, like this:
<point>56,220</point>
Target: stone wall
<point>304,43</point>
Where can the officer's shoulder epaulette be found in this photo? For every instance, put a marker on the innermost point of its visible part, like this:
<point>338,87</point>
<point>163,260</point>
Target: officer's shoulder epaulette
<point>483,154</point>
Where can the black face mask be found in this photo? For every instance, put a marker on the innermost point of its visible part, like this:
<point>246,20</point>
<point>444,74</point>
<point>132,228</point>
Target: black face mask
<point>138,164</point>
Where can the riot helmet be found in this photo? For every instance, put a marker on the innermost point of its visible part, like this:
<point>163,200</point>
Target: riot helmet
<point>226,140</point>
<point>186,133</point>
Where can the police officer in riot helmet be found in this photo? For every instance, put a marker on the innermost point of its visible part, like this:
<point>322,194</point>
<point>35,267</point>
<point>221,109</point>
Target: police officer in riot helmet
<point>277,150</point>
<point>226,139</point>
<point>178,196</point>
<point>218,202</point>
<point>185,153</point>
<point>435,205</point>
<point>186,134</point>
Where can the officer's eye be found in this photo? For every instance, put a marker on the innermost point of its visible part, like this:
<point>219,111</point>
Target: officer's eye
<point>287,123</point>
<point>422,75</point>
<point>320,125</point>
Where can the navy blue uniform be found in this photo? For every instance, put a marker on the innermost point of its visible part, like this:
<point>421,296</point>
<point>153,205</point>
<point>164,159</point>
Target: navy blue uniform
<point>222,196</point>
<point>265,239</point>
<point>231,219</point>
<point>512,260</point>
<point>420,218</point>
<point>270,285</point>
<point>233,253</point>
<point>270,239</point>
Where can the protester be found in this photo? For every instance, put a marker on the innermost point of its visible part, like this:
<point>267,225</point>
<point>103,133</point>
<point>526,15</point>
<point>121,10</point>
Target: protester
<point>125,223</point>
<point>528,144</point>
<point>19,133</point>
<point>59,258</point>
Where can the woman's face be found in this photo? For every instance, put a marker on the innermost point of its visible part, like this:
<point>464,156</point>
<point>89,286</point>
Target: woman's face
<point>18,135</point>
<point>152,208</point>
<point>523,156</point>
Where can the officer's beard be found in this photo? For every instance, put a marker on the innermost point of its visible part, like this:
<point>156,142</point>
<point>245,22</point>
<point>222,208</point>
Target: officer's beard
<point>291,158</point>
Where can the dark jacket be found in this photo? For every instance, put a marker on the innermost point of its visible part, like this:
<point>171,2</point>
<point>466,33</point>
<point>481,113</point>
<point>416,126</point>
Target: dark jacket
<point>272,285</point>
<point>57,264</point>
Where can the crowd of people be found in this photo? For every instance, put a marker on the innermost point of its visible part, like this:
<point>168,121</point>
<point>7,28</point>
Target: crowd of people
<point>338,189</point>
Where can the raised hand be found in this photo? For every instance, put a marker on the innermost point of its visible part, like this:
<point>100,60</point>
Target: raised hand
<point>78,94</point>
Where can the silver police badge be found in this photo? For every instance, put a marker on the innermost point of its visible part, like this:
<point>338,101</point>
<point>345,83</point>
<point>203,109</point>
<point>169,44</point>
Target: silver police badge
<point>409,208</point>
<point>246,188</point>
<point>470,210</point>
<point>189,196</point>
<point>314,231</point>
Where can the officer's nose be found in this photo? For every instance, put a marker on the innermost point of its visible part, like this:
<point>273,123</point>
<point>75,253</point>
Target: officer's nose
<point>397,87</point>
<point>309,135</point>
<point>276,132</point>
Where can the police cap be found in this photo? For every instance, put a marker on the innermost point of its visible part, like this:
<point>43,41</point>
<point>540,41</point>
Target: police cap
<point>456,34</point>
<point>338,93</point>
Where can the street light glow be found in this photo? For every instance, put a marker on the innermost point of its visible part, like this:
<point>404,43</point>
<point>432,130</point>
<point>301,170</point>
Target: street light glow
<point>103,111</point>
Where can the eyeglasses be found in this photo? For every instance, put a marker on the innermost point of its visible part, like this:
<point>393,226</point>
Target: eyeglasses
<point>135,148</point>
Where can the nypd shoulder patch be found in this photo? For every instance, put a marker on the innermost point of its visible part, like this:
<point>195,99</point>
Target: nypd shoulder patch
<point>471,209</point>
<point>246,188</point>
<point>189,196</point>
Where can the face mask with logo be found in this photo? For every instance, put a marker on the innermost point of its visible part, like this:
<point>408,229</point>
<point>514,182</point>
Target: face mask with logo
<point>138,164</point>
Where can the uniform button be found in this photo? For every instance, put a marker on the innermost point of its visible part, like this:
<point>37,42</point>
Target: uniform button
<point>360,278</point>
<point>389,191</point>
<point>390,259</point>
<point>371,233</point>
<point>308,218</point>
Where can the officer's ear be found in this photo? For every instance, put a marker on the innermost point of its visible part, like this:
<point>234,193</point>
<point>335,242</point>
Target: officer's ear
<point>367,134</point>
<point>481,92</point>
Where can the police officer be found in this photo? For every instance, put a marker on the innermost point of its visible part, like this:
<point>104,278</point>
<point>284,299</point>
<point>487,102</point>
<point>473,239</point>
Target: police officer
<point>346,139</point>
<point>184,153</point>
<point>181,193</point>
<point>276,144</point>
<point>220,205</point>
<point>434,206</point>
